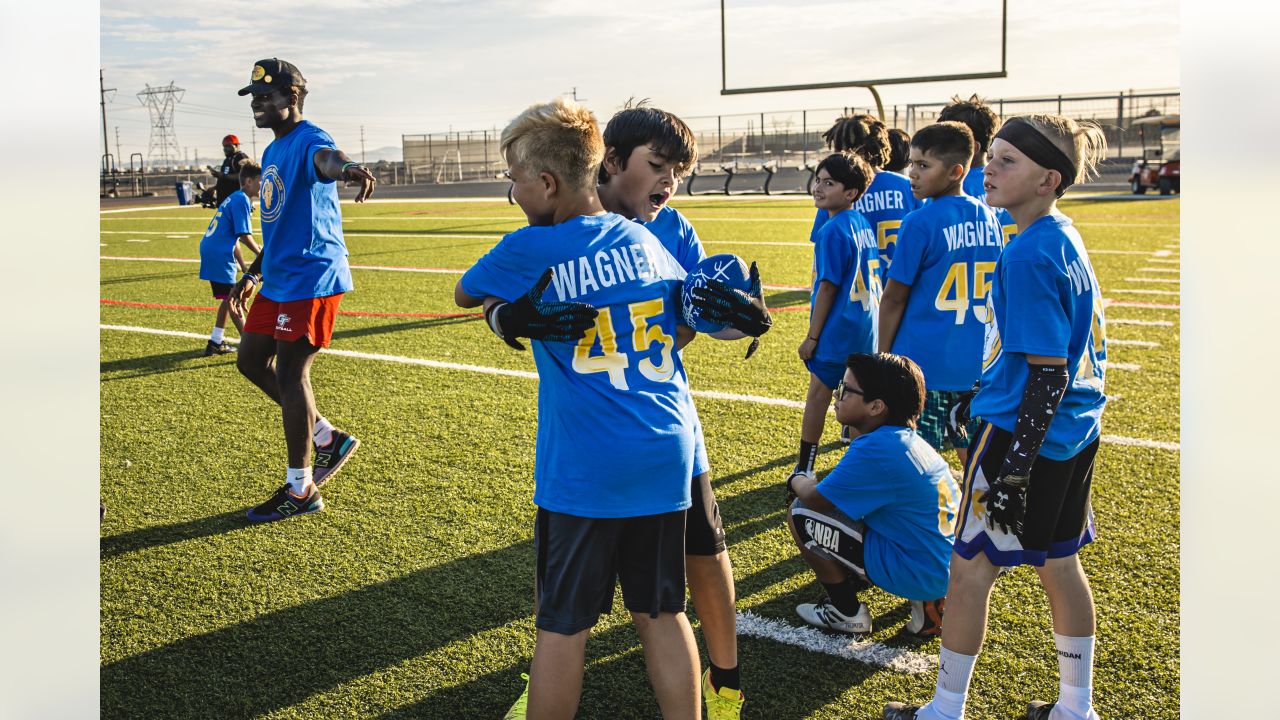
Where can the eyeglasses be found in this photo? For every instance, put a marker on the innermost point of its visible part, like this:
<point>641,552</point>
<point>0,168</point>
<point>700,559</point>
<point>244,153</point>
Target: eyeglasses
<point>843,389</point>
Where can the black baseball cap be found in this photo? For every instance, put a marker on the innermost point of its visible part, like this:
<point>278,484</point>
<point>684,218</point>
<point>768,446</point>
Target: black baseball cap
<point>270,74</point>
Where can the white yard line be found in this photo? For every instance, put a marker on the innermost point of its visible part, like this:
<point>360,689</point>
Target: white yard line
<point>1139,442</point>
<point>846,647</point>
<point>1161,253</point>
<point>1144,305</point>
<point>1140,291</point>
<point>1163,270</point>
<point>137,240</point>
<point>1133,367</point>
<point>710,394</point>
<point>1131,321</point>
<point>1134,343</point>
<point>1162,260</point>
<point>1174,281</point>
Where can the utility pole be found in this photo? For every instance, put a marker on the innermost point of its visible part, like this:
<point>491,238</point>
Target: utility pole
<point>119,160</point>
<point>253,133</point>
<point>102,99</point>
<point>362,144</point>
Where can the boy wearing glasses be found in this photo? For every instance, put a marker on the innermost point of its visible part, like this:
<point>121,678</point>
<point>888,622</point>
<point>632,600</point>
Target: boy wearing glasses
<point>885,516</point>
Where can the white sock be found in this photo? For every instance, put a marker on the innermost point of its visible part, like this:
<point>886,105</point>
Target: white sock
<point>298,479</point>
<point>1075,674</point>
<point>954,672</point>
<point>322,433</point>
<point>215,337</point>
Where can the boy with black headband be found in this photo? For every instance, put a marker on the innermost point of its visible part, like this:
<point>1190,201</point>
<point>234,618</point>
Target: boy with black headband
<point>934,304</point>
<point>885,516</point>
<point>1027,482</point>
<point>302,275</point>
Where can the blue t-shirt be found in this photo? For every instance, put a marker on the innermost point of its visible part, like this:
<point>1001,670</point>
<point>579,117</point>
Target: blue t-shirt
<point>947,252</point>
<point>972,187</point>
<point>885,203</point>
<point>679,238</point>
<point>891,479</point>
<point>845,254</point>
<point>217,261</point>
<point>615,418</point>
<point>303,253</point>
<point>1045,300</point>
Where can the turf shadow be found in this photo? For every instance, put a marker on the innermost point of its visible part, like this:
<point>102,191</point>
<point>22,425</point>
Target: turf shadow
<point>144,538</point>
<point>148,278</point>
<point>183,360</point>
<point>278,659</point>
<point>415,324</point>
<point>747,514</point>
<point>787,298</point>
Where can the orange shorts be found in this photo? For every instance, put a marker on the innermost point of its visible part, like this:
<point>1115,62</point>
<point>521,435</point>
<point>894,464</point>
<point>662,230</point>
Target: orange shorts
<point>311,318</point>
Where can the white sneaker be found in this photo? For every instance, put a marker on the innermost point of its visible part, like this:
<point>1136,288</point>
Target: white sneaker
<point>825,615</point>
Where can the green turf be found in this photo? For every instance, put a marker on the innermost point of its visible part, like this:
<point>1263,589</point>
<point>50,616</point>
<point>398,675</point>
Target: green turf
<point>409,597</point>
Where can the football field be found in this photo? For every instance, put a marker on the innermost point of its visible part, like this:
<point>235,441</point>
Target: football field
<point>410,596</point>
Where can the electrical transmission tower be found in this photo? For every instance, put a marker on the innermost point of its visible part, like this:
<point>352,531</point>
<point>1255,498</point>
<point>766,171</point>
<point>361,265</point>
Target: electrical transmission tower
<point>160,102</point>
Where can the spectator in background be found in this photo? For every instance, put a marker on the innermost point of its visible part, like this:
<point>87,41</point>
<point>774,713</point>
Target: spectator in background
<point>228,175</point>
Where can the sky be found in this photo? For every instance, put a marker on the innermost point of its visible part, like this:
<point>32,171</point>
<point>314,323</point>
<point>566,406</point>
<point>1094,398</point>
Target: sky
<point>396,67</point>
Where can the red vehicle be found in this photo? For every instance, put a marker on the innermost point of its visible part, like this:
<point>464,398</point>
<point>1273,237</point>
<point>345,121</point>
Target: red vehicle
<point>1160,166</point>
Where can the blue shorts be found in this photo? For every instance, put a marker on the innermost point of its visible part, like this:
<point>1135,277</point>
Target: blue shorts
<point>828,373</point>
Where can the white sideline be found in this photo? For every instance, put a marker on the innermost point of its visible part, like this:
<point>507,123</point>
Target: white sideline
<point>1124,366</point>
<point>1163,270</point>
<point>1174,281</point>
<point>1130,321</point>
<point>1141,291</point>
<point>1135,343</point>
<point>814,640</point>
<point>1139,442</point>
<point>1162,260</point>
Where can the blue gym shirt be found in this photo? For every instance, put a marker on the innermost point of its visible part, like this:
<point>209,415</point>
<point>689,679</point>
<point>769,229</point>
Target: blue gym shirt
<point>885,203</point>
<point>947,253</point>
<point>845,254</point>
<point>217,247</point>
<point>1045,300</point>
<point>904,491</point>
<point>973,187</point>
<point>679,238</point>
<point>615,418</point>
<point>303,253</point>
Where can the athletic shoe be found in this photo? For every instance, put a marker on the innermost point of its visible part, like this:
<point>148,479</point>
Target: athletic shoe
<point>330,458</point>
<point>846,434</point>
<point>517,711</point>
<point>213,348</point>
<point>825,615</point>
<point>926,617</point>
<point>898,711</point>
<point>722,704</point>
<point>284,504</point>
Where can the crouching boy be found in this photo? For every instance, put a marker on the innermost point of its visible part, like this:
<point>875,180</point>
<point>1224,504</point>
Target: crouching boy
<point>885,515</point>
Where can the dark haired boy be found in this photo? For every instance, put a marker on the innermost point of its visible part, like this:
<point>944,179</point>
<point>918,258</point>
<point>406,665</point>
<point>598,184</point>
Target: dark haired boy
<point>934,306</point>
<point>885,516</point>
<point>647,152</point>
<point>220,253</point>
<point>899,151</point>
<point>302,275</point>
<point>845,299</point>
<point>983,122</point>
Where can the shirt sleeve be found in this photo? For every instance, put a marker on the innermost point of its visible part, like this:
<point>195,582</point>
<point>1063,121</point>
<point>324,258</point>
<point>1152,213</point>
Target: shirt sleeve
<point>315,142</point>
<point>832,253</point>
<point>908,255</point>
<point>859,485</point>
<point>240,216</point>
<point>1037,322</point>
<point>501,272</point>
<point>693,251</point>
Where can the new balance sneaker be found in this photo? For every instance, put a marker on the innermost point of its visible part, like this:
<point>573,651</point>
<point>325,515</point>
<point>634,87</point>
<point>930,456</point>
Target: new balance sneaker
<point>284,504</point>
<point>898,711</point>
<point>823,614</point>
<point>722,704</point>
<point>926,617</point>
<point>517,711</point>
<point>330,458</point>
<point>213,348</point>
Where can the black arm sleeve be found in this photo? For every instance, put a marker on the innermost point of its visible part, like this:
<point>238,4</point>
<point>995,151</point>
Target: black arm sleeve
<point>1046,385</point>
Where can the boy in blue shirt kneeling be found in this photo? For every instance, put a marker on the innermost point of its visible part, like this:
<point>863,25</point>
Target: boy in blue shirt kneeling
<point>885,516</point>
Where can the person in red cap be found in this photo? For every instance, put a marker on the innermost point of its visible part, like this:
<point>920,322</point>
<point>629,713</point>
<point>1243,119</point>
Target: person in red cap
<point>229,174</point>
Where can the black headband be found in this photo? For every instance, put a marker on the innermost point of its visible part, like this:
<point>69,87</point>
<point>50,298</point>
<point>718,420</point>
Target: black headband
<point>1020,134</point>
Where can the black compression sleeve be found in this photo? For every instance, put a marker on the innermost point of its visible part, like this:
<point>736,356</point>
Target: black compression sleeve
<point>1046,385</point>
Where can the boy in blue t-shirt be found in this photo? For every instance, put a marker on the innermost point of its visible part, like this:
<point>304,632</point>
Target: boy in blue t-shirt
<point>220,252</point>
<point>983,122</point>
<point>845,300</point>
<point>301,277</point>
<point>610,380</point>
<point>885,516</point>
<point>934,305</point>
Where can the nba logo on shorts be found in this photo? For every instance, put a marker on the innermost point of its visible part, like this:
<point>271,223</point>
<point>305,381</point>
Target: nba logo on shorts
<point>282,322</point>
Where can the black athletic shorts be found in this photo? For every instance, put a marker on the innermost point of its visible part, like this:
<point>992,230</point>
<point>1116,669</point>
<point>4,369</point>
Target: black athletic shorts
<point>832,535</point>
<point>1059,518</point>
<point>580,559</point>
<point>220,290</point>
<point>703,534</point>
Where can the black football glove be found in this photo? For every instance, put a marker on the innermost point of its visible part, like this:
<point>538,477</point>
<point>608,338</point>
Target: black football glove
<point>958,415</point>
<point>530,317</point>
<point>743,311</point>
<point>1006,502</point>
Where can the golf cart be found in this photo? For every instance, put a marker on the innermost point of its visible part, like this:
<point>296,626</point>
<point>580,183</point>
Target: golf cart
<point>1159,166</point>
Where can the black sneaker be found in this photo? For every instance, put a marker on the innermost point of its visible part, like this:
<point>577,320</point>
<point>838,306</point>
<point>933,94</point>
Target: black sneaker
<point>213,348</point>
<point>898,711</point>
<point>284,504</point>
<point>330,458</point>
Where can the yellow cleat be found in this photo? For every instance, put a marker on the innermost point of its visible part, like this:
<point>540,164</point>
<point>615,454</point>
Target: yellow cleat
<point>722,704</point>
<point>518,710</point>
